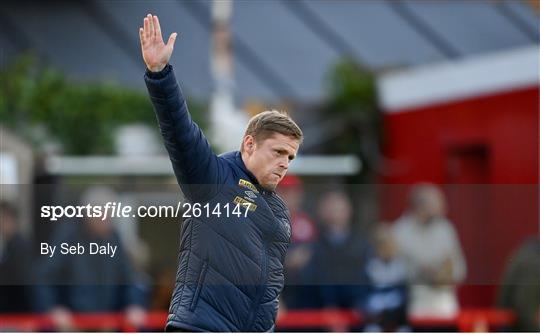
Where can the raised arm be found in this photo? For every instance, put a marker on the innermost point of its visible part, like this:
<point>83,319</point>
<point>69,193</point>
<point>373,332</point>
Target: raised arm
<point>192,158</point>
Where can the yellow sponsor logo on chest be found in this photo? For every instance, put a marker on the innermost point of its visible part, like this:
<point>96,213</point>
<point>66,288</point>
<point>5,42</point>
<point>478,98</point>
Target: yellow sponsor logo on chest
<point>245,203</point>
<point>247,184</point>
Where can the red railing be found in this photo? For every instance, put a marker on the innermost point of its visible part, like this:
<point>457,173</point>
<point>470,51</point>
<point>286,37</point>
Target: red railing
<point>467,321</point>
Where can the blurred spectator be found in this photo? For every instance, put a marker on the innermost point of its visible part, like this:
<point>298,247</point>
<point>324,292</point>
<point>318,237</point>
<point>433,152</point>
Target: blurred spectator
<point>520,288</point>
<point>163,288</point>
<point>90,283</point>
<point>15,263</point>
<point>431,248</point>
<point>339,258</point>
<point>298,292</point>
<point>386,303</point>
<point>304,229</point>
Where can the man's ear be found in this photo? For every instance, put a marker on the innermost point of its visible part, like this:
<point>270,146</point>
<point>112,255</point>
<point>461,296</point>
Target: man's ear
<point>248,144</point>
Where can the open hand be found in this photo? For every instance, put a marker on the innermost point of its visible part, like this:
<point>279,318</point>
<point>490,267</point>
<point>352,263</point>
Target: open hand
<point>155,52</point>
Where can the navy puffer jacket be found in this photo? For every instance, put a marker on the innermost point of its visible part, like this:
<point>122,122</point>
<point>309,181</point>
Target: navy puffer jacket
<point>230,270</point>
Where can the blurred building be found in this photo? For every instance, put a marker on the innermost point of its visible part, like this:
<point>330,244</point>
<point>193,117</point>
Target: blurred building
<point>282,49</point>
<point>16,173</point>
<point>472,126</point>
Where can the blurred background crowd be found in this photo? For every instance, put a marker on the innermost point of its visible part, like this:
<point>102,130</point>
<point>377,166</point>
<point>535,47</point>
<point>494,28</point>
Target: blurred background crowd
<point>414,199</point>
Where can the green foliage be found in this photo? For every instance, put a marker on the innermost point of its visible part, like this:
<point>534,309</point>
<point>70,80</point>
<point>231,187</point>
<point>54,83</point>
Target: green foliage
<point>82,117</point>
<point>353,101</point>
<point>352,91</point>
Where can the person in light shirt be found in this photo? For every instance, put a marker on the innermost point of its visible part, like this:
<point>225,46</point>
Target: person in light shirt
<point>430,245</point>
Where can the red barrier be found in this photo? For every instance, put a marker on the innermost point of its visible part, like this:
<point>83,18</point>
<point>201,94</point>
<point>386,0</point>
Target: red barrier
<point>297,319</point>
<point>467,321</point>
<point>483,320</point>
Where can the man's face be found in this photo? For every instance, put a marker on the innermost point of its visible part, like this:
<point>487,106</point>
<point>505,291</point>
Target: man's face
<point>269,159</point>
<point>433,205</point>
<point>292,196</point>
<point>336,211</point>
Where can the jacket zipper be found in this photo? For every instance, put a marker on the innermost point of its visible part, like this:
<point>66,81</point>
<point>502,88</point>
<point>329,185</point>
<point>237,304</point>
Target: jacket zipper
<point>200,282</point>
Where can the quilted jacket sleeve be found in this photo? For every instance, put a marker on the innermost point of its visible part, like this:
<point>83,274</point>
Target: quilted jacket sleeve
<point>198,170</point>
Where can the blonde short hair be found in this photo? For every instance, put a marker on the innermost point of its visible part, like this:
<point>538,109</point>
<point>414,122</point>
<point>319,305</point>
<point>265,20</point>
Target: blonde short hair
<point>264,125</point>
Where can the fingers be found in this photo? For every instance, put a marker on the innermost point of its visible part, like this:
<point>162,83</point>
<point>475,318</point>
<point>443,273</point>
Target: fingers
<point>151,32</point>
<point>172,39</point>
<point>149,27</point>
<point>141,35</point>
<point>146,28</point>
<point>157,28</point>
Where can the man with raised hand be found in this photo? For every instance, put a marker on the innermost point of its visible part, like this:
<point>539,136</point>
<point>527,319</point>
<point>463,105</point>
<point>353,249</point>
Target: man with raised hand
<point>230,271</point>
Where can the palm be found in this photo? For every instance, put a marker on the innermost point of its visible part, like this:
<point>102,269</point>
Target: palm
<point>155,52</point>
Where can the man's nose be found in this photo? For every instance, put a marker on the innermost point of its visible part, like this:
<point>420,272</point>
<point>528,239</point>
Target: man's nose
<point>284,163</point>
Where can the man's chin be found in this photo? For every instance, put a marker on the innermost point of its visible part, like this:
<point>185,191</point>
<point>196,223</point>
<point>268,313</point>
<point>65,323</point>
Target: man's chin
<point>269,186</point>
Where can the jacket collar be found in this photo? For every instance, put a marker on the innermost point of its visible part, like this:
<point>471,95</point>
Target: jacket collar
<point>240,163</point>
